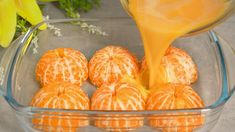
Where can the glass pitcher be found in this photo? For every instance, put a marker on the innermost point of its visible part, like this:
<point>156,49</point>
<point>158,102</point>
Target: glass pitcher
<point>228,11</point>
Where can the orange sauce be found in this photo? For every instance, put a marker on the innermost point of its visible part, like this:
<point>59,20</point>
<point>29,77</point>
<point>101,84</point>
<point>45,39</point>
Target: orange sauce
<point>163,21</point>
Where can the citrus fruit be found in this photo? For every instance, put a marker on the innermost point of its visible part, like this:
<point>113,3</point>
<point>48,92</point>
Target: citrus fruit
<point>112,63</point>
<point>60,96</point>
<point>118,96</point>
<point>62,65</point>
<point>177,67</point>
<point>172,97</point>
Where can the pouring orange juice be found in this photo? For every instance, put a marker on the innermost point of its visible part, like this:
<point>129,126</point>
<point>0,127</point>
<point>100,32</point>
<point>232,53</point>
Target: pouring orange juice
<point>163,21</point>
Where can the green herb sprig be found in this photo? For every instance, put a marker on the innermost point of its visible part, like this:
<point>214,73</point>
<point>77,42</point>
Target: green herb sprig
<point>21,27</point>
<point>73,7</point>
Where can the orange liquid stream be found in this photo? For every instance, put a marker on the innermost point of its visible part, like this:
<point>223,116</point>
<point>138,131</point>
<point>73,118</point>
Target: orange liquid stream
<point>163,21</point>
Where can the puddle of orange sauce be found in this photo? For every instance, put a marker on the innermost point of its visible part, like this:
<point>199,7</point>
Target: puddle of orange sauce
<point>163,21</point>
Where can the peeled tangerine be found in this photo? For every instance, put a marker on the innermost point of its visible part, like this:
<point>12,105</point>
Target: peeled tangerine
<point>112,63</point>
<point>177,66</point>
<point>118,96</point>
<point>62,64</point>
<point>60,96</point>
<point>171,97</point>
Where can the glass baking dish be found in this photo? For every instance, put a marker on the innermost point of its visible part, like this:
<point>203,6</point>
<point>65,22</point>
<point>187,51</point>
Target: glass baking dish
<point>18,84</point>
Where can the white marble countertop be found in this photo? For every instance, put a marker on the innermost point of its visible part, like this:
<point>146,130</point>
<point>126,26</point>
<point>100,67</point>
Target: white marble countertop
<point>112,8</point>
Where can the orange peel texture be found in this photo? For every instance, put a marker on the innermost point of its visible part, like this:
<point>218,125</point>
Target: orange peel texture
<point>118,96</point>
<point>62,65</point>
<point>60,96</point>
<point>112,63</point>
<point>172,97</point>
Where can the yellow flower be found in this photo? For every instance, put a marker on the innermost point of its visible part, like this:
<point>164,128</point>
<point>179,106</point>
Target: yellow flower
<point>28,9</point>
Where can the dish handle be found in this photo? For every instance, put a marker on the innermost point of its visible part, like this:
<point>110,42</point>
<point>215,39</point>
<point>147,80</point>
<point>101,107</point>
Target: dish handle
<point>6,63</point>
<point>228,52</point>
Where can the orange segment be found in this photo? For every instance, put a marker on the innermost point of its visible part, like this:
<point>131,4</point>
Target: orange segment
<point>171,97</point>
<point>118,96</point>
<point>60,96</point>
<point>110,64</point>
<point>177,67</point>
<point>62,64</point>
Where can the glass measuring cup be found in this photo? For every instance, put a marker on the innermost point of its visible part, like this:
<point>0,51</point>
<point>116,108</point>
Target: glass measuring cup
<point>228,12</point>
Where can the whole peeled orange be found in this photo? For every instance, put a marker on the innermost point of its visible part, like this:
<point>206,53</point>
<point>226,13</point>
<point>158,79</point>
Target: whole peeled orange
<point>173,97</point>
<point>62,65</point>
<point>177,67</point>
<point>118,96</point>
<point>112,63</point>
<point>60,96</point>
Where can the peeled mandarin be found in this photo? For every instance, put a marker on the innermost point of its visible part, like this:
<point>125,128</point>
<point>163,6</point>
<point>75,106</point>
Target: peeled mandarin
<point>112,63</point>
<point>177,67</point>
<point>118,96</point>
<point>60,96</point>
<point>173,97</point>
<point>62,65</point>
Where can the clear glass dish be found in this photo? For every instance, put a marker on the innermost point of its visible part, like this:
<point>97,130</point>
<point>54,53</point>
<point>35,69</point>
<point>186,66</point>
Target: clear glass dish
<point>18,84</point>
